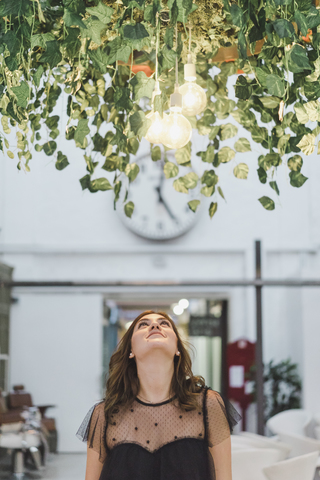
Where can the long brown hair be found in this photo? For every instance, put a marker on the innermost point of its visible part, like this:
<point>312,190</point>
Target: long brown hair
<point>123,383</point>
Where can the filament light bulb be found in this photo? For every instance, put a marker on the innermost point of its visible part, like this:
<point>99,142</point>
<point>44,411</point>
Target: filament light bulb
<point>177,129</point>
<point>154,133</point>
<point>194,99</point>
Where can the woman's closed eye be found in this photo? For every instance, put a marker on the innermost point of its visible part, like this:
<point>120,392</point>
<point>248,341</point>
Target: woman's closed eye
<point>162,322</point>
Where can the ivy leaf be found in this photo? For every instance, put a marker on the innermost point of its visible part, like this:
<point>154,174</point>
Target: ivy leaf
<point>99,184</point>
<point>128,209</point>
<point>242,88</point>
<point>122,99</point>
<point>167,58</point>
<point>71,44</point>
<point>297,179</point>
<point>155,154</point>
<point>208,191</point>
<point>283,143</point>
<point>313,17</point>
<point>139,124</point>
<point>135,32</point>
<point>5,125</point>
<point>228,131</point>
<point>81,132</point>
<point>301,22</point>
<point>221,193</point>
<point>102,12</point>
<point>85,182</point>
<point>245,118</point>
<point>270,102</point>
<point>262,174</point>
<point>49,147</point>
<point>283,28</point>
<point>237,15</point>
<point>242,145</point>
<point>170,170</point>
<point>301,113</point>
<point>295,163</point>
<point>37,75</point>
<point>298,60</point>
<point>62,161</point>
<point>213,208</point>
<point>52,55</point>
<point>275,85</point>
<point>72,19</point>
<point>226,154</point>
<point>99,59</point>
<point>194,204</point>
<point>38,41</point>
<point>117,51</point>
<point>190,180</point>
<point>267,203</point>
<point>241,171</point>
<point>142,86</point>
<point>132,170</point>
<point>16,7</point>
<point>242,45</point>
<point>209,178</point>
<point>307,144</point>
<point>22,94</point>
<point>183,155</point>
<point>174,12</point>
<point>93,29</point>
<point>313,110</point>
<point>180,186</point>
<point>274,186</point>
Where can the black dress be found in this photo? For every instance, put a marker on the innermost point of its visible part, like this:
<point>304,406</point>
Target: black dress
<point>159,441</point>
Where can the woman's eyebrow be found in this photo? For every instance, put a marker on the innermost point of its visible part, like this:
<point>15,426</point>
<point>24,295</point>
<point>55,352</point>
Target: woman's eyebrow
<point>149,319</point>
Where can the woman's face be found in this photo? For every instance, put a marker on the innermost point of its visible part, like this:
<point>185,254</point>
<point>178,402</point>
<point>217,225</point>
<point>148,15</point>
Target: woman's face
<point>153,332</point>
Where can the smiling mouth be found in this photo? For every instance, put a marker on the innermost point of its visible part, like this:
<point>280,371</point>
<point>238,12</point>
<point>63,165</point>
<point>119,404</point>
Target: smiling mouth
<point>155,333</point>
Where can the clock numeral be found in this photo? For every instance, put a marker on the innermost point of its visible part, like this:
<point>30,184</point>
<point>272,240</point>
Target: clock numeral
<point>145,218</point>
<point>159,225</point>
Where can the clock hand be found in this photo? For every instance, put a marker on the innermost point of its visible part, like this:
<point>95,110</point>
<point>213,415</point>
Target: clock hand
<point>164,203</point>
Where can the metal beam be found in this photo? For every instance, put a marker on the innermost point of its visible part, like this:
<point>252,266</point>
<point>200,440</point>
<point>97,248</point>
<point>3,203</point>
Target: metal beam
<point>214,283</point>
<point>258,347</point>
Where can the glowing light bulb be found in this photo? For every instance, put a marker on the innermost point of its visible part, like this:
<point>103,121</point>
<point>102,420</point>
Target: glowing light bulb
<point>155,130</point>
<point>184,303</point>
<point>154,133</point>
<point>177,129</point>
<point>194,99</point>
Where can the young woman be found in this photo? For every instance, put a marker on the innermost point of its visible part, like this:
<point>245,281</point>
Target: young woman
<point>157,421</point>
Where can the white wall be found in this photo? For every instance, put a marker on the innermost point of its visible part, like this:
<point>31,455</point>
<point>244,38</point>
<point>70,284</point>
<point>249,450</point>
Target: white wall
<point>56,353</point>
<point>51,230</point>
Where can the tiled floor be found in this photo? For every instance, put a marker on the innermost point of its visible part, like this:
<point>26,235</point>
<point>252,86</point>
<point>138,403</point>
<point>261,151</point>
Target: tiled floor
<point>62,466</point>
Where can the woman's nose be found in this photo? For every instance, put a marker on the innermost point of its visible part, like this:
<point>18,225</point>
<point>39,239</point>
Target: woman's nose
<point>152,326</point>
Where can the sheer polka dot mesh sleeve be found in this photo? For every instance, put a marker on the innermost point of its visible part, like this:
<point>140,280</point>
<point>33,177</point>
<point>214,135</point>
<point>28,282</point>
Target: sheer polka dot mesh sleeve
<point>221,417</point>
<point>93,430</point>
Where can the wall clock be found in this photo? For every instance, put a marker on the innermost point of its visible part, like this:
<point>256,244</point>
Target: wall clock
<point>160,213</point>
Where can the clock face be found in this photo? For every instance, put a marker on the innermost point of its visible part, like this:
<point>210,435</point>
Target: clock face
<point>160,211</point>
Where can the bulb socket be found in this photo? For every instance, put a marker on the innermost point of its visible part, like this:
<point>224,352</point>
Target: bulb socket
<point>156,90</point>
<point>190,71</point>
<point>176,97</point>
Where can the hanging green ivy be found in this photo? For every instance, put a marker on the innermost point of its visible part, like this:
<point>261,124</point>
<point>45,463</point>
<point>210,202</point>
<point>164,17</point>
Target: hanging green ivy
<point>86,49</point>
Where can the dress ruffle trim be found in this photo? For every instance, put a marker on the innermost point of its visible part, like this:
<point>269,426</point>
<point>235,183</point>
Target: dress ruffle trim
<point>83,430</point>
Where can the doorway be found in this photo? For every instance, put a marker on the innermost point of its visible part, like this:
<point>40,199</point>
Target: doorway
<point>201,322</point>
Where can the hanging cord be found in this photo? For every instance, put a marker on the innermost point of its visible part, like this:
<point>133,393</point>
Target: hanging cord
<point>157,44</point>
<point>189,39</point>
<point>177,81</point>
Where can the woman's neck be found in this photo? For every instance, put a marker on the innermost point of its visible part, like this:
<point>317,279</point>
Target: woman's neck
<point>155,380</point>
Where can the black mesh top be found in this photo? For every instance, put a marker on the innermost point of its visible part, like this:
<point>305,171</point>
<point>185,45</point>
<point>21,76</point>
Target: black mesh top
<point>159,441</point>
